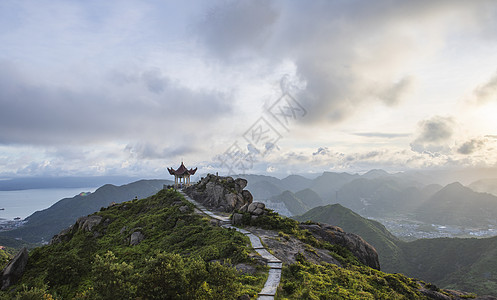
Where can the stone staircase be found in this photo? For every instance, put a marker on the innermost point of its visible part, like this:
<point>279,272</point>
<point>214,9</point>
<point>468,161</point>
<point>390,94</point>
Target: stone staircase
<point>275,265</point>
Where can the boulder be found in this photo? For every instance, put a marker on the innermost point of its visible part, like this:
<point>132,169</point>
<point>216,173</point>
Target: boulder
<point>88,223</point>
<point>240,184</point>
<point>63,236</point>
<point>244,208</point>
<point>247,196</point>
<point>364,252</point>
<point>256,208</point>
<point>245,269</point>
<point>258,211</point>
<point>220,193</point>
<point>136,238</point>
<point>14,269</point>
<point>252,207</point>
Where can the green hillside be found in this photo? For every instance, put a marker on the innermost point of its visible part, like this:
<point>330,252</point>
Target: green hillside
<point>295,205</point>
<point>309,198</point>
<point>42,225</point>
<point>373,232</point>
<point>456,204</point>
<point>464,264</point>
<point>182,255</point>
<point>453,263</point>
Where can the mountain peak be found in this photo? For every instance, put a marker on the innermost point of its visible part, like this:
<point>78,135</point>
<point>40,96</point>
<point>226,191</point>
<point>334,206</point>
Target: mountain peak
<point>376,173</point>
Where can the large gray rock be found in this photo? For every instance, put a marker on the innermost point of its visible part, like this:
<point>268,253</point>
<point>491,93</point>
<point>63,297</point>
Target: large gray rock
<point>63,236</point>
<point>136,238</point>
<point>88,223</point>
<point>364,252</point>
<point>14,270</point>
<point>220,193</point>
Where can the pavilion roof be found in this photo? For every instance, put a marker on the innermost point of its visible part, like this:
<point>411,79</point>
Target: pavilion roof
<point>182,170</point>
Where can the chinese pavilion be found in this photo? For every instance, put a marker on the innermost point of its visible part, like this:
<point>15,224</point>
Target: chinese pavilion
<point>181,175</point>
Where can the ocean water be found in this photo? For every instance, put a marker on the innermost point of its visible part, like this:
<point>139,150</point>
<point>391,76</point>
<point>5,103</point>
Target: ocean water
<point>25,202</point>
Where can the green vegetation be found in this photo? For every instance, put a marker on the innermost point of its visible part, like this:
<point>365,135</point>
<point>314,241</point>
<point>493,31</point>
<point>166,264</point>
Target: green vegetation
<point>304,280</point>
<point>452,263</point>
<point>4,258</point>
<point>463,264</point>
<point>182,256</point>
<point>386,244</point>
<point>42,225</point>
<point>286,227</point>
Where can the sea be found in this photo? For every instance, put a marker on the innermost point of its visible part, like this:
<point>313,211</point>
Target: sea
<point>23,203</point>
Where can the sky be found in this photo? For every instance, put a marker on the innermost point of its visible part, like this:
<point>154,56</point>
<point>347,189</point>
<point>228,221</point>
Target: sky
<point>93,88</point>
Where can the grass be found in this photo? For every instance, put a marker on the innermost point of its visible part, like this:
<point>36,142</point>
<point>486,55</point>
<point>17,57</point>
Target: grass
<point>66,270</point>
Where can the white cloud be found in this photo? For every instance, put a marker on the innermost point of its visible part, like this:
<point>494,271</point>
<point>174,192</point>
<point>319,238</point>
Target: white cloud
<point>126,86</point>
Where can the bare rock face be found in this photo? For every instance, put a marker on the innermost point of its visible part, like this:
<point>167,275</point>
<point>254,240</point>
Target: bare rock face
<point>14,270</point>
<point>364,252</point>
<point>220,193</point>
<point>88,223</point>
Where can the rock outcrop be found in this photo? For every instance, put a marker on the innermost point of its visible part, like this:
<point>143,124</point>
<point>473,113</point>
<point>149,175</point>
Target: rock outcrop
<point>86,224</point>
<point>255,209</point>
<point>14,270</point>
<point>220,193</point>
<point>364,252</point>
<point>136,238</point>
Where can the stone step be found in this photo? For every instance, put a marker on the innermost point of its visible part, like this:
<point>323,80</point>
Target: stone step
<point>275,265</point>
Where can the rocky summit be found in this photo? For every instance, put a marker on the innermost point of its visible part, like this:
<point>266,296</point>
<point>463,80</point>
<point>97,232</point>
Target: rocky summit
<point>220,193</point>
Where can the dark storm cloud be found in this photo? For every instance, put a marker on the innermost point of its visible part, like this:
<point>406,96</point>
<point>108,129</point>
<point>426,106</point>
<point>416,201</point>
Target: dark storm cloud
<point>157,151</point>
<point>434,134</point>
<point>487,92</point>
<point>32,113</point>
<point>229,28</point>
<point>155,81</point>
<point>471,146</point>
<point>349,53</point>
<point>435,130</point>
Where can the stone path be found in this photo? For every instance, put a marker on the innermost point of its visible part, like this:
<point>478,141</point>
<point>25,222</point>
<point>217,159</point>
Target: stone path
<point>274,276</point>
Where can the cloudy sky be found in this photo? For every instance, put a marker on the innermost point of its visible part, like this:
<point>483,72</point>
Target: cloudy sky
<point>272,87</point>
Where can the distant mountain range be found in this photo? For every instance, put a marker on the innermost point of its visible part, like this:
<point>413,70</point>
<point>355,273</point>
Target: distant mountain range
<point>42,225</point>
<point>454,263</point>
<point>467,264</point>
<point>380,194</point>
<point>299,202</point>
<point>456,204</point>
<point>485,186</point>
